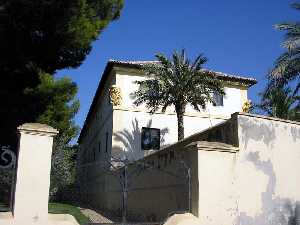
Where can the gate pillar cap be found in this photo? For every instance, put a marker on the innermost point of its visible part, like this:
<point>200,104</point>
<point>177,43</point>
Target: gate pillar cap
<point>38,128</point>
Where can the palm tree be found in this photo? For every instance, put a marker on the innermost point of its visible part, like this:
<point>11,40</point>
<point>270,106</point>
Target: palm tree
<point>178,82</point>
<point>278,101</point>
<point>287,66</point>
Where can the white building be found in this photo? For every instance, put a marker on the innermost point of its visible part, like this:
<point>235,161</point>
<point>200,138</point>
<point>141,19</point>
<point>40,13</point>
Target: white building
<point>115,125</point>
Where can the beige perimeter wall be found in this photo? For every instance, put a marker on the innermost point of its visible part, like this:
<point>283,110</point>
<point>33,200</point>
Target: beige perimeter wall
<point>157,186</point>
<point>267,175</point>
<point>257,184</point>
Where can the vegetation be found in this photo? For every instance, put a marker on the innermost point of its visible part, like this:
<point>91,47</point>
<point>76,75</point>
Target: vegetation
<point>58,208</point>
<point>279,99</point>
<point>287,66</point>
<point>280,102</point>
<point>55,98</point>
<point>178,82</point>
<point>62,186</point>
<point>41,37</point>
<point>4,207</point>
<point>51,35</point>
<point>37,38</point>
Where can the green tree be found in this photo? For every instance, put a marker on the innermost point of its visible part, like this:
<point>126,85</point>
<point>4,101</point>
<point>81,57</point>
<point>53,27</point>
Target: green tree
<point>56,102</point>
<point>178,82</point>
<point>279,101</point>
<point>51,34</point>
<point>43,36</point>
<point>63,166</point>
<point>56,99</point>
<point>287,66</point>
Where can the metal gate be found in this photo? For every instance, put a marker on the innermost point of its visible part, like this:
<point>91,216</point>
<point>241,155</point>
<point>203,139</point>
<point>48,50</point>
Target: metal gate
<point>7,177</point>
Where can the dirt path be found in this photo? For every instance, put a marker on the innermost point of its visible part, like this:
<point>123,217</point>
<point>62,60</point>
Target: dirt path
<point>94,216</point>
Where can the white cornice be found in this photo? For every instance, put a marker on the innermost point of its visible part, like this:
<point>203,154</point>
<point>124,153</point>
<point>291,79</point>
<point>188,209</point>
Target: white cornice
<point>188,114</point>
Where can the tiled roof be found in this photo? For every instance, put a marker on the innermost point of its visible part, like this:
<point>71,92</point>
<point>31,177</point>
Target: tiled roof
<point>140,64</point>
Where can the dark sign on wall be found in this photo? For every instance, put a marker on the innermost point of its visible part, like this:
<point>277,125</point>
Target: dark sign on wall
<point>150,138</point>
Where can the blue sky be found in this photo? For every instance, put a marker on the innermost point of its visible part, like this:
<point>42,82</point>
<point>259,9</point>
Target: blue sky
<point>237,36</point>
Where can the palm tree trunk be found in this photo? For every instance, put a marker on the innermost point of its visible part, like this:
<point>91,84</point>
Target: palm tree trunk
<point>180,112</point>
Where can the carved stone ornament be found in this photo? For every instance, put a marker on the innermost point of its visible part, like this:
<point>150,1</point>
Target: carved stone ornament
<point>246,106</point>
<point>115,95</point>
<point>7,158</point>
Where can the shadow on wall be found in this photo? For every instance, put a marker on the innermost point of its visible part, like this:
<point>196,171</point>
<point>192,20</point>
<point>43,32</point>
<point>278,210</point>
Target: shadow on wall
<point>295,133</point>
<point>274,210</point>
<point>131,140</point>
<point>257,130</point>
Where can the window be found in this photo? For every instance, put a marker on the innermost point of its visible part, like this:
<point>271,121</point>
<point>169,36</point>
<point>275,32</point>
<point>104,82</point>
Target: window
<point>217,99</point>
<point>99,146</point>
<point>150,139</point>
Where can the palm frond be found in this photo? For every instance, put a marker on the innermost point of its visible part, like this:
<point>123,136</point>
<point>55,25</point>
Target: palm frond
<point>177,80</point>
<point>296,5</point>
<point>287,66</point>
<point>278,101</point>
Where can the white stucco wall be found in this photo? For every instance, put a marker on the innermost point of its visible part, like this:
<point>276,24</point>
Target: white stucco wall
<point>94,146</point>
<point>233,100</point>
<point>33,177</point>
<point>215,173</point>
<point>259,184</point>
<point>95,149</point>
<point>127,127</point>
<point>267,172</point>
<point>128,119</point>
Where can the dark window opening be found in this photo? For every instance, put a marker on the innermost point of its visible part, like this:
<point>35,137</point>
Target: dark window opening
<point>150,139</point>
<point>217,99</point>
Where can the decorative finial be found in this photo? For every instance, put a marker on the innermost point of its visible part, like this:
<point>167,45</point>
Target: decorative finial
<point>247,106</point>
<point>115,95</point>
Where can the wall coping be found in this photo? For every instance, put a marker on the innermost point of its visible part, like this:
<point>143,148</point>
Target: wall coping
<point>266,118</point>
<point>37,128</point>
<point>6,216</point>
<point>213,146</point>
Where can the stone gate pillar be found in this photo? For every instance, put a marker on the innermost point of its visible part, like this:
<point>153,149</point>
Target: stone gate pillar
<point>33,174</point>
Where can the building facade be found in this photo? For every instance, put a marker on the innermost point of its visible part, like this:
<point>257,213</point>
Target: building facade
<point>115,126</point>
<point>233,168</point>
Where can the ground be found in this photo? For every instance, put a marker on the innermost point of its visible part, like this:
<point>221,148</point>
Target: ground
<point>82,215</point>
<point>94,216</point>
<point>59,208</point>
<point>3,207</point>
